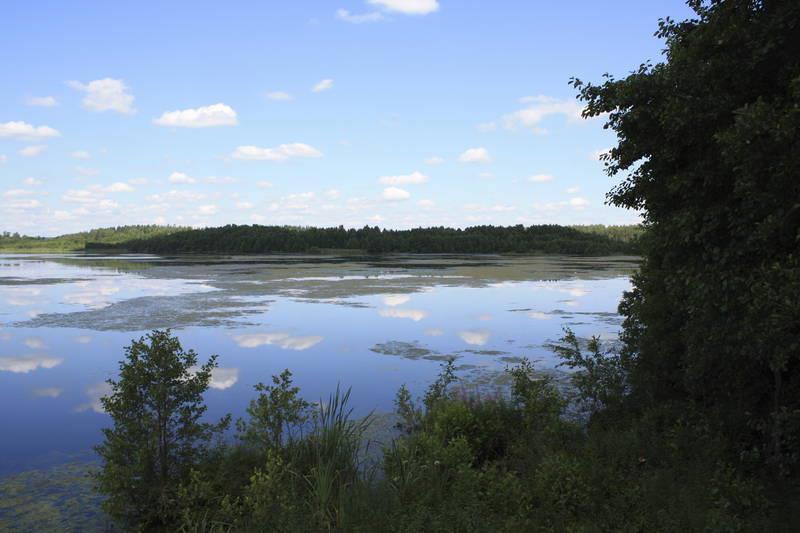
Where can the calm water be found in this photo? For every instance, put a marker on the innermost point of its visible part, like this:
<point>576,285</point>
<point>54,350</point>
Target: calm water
<point>372,324</point>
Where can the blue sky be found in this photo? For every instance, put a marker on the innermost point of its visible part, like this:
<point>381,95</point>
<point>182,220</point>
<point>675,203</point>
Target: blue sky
<point>397,113</point>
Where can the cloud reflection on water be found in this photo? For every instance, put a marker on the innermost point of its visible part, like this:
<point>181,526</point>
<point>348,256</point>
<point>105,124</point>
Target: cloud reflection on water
<point>283,340</point>
<point>29,363</point>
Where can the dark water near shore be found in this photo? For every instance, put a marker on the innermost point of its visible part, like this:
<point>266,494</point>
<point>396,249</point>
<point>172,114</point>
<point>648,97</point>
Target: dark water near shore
<point>369,323</point>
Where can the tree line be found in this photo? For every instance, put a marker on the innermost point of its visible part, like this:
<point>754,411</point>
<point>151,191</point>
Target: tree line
<point>548,239</point>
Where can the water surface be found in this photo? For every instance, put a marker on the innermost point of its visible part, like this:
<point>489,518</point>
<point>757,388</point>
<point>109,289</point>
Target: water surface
<point>369,323</point>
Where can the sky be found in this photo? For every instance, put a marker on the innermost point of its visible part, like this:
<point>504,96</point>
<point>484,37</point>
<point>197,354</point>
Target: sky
<point>395,113</point>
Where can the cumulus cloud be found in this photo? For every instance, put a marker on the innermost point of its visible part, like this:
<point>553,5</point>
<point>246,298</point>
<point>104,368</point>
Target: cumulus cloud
<point>426,203</point>
<point>118,187</point>
<point>323,85</point>
<point>363,18</point>
<point>393,300</point>
<point>487,126</point>
<point>105,95</point>
<point>415,178</point>
<point>245,205</point>
<point>41,101</point>
<point>29,363</point>
<point>278,96</point>
<point>31,181</point>
<point>95,393</point>
<point>475,338</point>
<point>573,190</point>
<point>281,153</point>
<point>395,194</point>
<point>221,378</point>
<point>434,160</point>
<point>413,314</point>
<point>475,155</point>
<point>80,154</point>
<point>540,178</point>
<point>578,202</point>
<point>180,177</point>
<point>209,209</point>
<point>26,132</point>
<point>283,340</point>
<point>541,107</point>
<point>201,117</point>
<point>32,151</point>
<point>408,7</point>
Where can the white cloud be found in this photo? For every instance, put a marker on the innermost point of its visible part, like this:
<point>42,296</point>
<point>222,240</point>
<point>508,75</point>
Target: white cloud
<point>16,193</point>
<point>333,194</point>
<point>475,338</point>
<point>487,126</point>
<point>95,393</point>
<point>221,378</point>
<point>105,95</point>
<point>278,96</point>
<point>434,332</point>
<point>209,209</point>
<point>31,181</point>
<point>408,7</point>
<point>415,178</point>
<point>352,18</point>
<point>245,205</point>
<point>538,315</point>
<point>34,343</point>
<point>578,202</point>
<point>412,314</point>
<point>434,160</point>
<point>3,159</point>
<point>540,178</point>
<point>118,187</point>
<point>32,151</point>
<point>540,108</point>
<point>597,154</point>
<point>41,101</point>
<point>573,190</point>
<point>80,154</point>
<point>284,340</point>
<point>395,194</point>
<point>26,132</point>
<point>180,177</point>
<point>201,117</point>
<point>393,300</point>
<point>281,153</point>
<point>323,85</point>
<point>23,365</point>
<point>426,203</point>
<point>475,155</point>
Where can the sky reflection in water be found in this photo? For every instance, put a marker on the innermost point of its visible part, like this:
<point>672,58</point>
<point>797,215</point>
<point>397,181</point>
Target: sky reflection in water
<point>372,324</point>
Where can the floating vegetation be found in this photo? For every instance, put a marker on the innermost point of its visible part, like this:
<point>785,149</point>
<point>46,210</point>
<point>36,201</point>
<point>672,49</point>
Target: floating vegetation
<point>60,498</point>
<point>409,350</point>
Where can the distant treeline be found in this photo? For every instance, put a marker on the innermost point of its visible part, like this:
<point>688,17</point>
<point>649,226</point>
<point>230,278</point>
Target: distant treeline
<point>548,239</point>
<point>78,241</point>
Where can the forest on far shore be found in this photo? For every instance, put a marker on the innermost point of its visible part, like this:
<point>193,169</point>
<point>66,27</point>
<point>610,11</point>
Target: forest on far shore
<point>595,239</point>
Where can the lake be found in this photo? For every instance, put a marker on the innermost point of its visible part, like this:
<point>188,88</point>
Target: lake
<point>373,323</point>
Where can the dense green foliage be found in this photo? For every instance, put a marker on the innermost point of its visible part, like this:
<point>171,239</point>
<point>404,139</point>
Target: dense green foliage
<point>96,238</point>
<point>459,461</point>
<point>156,406</point>
<point>710,145</point>
<point>593,240</point>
